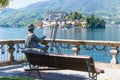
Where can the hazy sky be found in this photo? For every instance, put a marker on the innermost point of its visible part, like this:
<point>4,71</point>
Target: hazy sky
<point>16,4</point>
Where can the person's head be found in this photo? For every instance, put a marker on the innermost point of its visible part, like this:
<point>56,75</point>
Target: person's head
<point>31,28</point>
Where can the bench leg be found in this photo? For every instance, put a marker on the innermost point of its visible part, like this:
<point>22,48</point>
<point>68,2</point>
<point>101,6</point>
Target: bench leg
<point>30,69</point>
<point>92,76</point>
<point>39,74</point>
<point>37,69</point>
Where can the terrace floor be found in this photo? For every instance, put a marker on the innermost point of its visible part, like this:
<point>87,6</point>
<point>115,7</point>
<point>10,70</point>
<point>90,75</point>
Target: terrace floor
<point>111,73</point>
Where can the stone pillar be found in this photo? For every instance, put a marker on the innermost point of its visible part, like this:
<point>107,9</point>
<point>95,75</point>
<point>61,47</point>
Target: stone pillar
<point>11,50</point>
<point>114,53</point>
<point>75,49</point>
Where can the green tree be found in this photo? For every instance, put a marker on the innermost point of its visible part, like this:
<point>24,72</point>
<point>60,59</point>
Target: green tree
<point>74,15</point>
<point>4,3</point>
<point>102,22</point>
<point>95,22</point>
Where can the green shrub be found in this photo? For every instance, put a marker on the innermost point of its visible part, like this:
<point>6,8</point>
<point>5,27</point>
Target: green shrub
<point>16,78</point>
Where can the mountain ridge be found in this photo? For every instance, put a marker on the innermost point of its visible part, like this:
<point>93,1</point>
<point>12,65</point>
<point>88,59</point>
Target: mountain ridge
<point>37,11</point>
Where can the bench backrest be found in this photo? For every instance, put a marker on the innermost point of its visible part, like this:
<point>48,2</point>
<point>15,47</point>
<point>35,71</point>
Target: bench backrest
<point>40,59</point>
<point>81,63</point>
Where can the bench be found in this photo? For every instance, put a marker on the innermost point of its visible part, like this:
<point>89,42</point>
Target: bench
<point>71,62</point>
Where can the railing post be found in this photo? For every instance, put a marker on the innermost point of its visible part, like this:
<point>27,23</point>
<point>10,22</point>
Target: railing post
<point>11,50</point>
<point>114,53</point>
<point>75,49</point>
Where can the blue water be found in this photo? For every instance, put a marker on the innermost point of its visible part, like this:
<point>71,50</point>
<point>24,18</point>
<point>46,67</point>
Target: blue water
<point>12,33</point>
<point>108,34</point>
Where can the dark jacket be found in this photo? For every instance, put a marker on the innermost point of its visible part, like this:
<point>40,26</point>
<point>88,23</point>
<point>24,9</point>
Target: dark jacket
<point>32,40</point>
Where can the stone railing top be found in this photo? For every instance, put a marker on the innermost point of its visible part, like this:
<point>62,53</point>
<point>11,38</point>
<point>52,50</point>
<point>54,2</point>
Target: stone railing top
<point>75,42</point>
<point>93,42</point>
<point>12,41</point>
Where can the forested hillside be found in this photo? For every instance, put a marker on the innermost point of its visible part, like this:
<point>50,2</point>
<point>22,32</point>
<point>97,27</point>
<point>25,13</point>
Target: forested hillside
<point>109,9</point>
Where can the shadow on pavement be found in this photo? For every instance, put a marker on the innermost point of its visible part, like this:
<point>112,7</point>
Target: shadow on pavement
<point>52,76</point>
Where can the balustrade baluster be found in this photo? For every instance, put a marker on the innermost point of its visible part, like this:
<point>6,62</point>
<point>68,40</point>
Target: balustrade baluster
<point>11,50</point>
<point>75,49</point>
<point>114,53</point>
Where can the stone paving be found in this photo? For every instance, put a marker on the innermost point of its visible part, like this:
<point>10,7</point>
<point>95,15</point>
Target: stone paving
<point>18,70</point>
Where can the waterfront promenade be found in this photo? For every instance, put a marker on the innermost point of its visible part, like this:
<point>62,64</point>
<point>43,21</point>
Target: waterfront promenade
<point>17,70</point>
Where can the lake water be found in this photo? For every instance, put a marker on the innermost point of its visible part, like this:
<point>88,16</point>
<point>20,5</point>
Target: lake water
<point>108,34</point>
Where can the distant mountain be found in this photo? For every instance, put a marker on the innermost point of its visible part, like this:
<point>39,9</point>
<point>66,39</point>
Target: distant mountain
<point>79,5</point>
<point>22,17</point>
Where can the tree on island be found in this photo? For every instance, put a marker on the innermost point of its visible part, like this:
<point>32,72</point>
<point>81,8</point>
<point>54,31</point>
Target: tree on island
<point>74,15</point>
<point>94,22</point>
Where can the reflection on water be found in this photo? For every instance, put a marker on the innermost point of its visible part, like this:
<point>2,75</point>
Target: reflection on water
<point>108,34</point>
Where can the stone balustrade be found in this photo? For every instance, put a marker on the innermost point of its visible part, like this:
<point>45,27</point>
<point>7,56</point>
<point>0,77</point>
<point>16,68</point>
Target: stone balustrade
<point>74,46</point>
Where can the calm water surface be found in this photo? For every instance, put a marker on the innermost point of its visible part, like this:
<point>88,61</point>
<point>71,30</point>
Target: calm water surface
<point>108,34</point>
